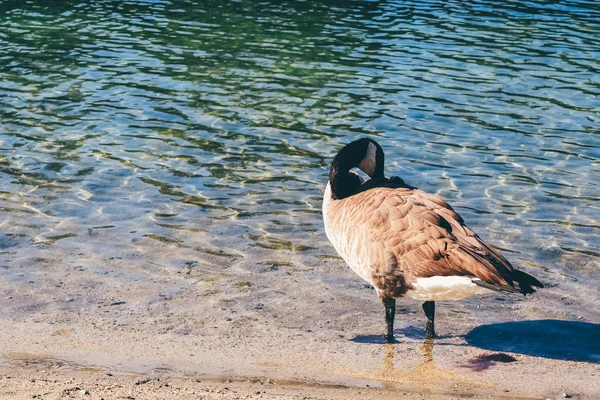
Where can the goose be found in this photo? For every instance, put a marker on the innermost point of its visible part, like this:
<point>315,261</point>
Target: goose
<point>406,242</point>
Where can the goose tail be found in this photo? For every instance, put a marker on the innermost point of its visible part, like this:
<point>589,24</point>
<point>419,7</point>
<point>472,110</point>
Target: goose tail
<point>521,283</point>
<point>526,282</point>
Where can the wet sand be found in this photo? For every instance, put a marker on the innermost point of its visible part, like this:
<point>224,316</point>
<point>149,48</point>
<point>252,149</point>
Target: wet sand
<point>33,383</point>
<point>313,329</point>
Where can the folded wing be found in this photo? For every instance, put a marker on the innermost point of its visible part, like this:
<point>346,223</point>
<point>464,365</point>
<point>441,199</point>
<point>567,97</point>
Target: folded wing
<point>418,235</point>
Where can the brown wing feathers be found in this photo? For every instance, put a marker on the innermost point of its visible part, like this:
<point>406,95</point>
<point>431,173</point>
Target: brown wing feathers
<point>423,236</point>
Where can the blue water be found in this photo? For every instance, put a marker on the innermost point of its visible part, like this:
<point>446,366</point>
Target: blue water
<point>209,126</point>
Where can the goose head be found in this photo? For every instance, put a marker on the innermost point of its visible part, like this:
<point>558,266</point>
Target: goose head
<point>364,154</point>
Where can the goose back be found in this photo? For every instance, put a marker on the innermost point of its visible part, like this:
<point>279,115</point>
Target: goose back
<point>391,235</point>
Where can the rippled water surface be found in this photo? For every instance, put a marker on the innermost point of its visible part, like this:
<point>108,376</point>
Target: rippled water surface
<point>207,127</point>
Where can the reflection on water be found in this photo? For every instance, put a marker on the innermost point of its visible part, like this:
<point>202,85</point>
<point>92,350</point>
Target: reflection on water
<point>210,126</point>
<point>427,350</point>
<point>425,376</point>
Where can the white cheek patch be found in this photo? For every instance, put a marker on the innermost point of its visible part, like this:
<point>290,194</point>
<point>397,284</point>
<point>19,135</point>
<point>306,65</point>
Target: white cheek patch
<point>367,165</point>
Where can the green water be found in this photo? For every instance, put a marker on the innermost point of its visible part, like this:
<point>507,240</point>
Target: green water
<point>208,127</point>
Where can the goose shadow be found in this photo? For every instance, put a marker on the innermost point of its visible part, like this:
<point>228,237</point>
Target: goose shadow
<point>370,339</point>
<point>548,338</point>
<point>409,332</point>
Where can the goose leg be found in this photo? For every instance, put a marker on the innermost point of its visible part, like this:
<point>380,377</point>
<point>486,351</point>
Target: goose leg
<point>429,308</point>
<point>390,313</point>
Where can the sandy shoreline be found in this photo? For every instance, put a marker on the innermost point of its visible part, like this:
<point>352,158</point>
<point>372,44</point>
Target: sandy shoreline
<point>47,361</point>
<point>312,328</point>
<point>27,383</point>
<point>47,378</point>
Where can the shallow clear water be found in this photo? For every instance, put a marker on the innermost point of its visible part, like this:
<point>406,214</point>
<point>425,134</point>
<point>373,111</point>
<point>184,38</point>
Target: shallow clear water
<point>143,125</point>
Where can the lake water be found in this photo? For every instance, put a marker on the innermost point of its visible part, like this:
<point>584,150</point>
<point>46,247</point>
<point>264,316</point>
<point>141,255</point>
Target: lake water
<point>197,136</point>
